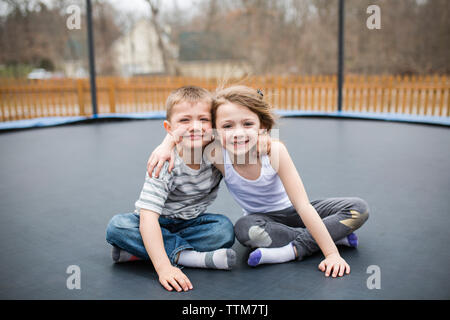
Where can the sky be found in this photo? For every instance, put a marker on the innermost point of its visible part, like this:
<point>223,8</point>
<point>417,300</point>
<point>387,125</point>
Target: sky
<point>143,7</point>
<point>136,6</point>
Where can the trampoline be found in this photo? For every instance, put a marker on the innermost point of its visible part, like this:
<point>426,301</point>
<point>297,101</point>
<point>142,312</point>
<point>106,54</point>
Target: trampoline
<point>61,185</point>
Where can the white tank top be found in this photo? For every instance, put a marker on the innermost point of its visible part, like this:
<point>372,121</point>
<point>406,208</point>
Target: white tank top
<point>265,194</point>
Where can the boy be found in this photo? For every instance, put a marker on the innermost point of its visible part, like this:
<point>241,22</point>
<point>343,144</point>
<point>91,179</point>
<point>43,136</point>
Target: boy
<point>170,226</point>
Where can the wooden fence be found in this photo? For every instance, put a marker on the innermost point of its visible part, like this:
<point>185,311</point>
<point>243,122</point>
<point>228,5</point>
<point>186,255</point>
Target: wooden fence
<point>422,95</point>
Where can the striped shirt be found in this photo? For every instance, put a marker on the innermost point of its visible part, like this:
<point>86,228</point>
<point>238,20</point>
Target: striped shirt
<point>184,193</point>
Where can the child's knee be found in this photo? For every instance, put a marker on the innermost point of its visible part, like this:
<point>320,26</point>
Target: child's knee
<point>358,214</point>
<point>250,232</point>
<point>116,226</point>
<point>361,206</point>
<point>224,232</point>
<point>111,230</point>
<point>241,228</point>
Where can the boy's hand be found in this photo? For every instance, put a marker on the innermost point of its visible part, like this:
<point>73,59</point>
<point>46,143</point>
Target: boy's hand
<point>172,276</point>
<point>160,155</point>
<point>334,263</point>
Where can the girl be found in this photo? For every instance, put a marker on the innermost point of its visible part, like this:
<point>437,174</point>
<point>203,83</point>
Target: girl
<point>279,221</point>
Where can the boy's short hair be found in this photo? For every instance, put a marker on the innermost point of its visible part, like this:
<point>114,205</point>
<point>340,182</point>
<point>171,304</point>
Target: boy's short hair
<point>189,94</point>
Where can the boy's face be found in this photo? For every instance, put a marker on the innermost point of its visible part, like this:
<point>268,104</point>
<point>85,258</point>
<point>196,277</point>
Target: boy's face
<point>190,124</point>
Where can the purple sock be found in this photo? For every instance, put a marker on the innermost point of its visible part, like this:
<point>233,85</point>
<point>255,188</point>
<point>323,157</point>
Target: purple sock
<point>254,258</point>
<point>352,240</point>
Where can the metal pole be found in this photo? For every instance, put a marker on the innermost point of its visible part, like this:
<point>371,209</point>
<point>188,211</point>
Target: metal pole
<point>340,54</point>
<point>91,58</point>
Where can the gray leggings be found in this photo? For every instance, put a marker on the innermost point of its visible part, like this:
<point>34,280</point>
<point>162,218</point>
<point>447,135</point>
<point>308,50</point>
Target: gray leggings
<point>341,217</point>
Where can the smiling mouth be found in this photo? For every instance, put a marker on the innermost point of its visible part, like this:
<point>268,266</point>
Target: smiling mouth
<point>240,143</point>
<point>195,137</point>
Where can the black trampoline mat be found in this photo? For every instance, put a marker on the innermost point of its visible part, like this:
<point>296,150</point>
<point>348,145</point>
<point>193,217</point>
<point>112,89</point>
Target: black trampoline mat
<point>60,186</point>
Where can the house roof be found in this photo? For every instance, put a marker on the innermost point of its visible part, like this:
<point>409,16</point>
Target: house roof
<point>204,46</point>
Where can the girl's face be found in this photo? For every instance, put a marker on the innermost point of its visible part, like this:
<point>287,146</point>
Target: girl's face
<point>237,127</point>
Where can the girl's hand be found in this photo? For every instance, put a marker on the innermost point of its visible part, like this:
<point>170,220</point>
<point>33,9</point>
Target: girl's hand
<point>335,264</point>
<point>160,155</point>
<point>172,277</point>
<point>264,143</point>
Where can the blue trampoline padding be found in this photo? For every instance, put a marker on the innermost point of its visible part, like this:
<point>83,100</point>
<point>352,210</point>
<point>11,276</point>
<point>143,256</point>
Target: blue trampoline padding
<point>53,121</point>
<point>39,122</point>
<point>369,115</point>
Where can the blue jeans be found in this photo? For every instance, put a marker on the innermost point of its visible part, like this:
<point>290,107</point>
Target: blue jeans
<point>207,232</point>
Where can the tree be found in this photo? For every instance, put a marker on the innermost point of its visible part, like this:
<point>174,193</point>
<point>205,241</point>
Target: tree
<point>170,65</point>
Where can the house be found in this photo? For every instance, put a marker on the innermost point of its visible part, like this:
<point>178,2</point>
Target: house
<point>138,52</point>
<point>74,63</point>
<point>197,54</point>
<point>207,55</point>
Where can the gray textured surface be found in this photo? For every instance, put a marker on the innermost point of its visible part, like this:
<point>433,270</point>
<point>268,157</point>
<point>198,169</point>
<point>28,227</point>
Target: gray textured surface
<point>60,186</point>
